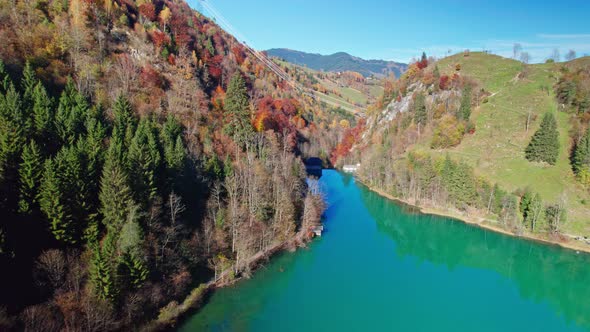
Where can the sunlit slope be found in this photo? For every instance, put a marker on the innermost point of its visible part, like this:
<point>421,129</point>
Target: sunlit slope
<point>496,149</point>
<point>337,94</point>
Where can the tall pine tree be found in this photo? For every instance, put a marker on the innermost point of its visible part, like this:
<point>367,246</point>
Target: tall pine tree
<point>14,125</point>
<point>65,195</point>
<point>544,145</point>
<point>71,113</point>
<point>53,203</point>
<point>4,78</point>
<point>581,160</point>
<point>459,183</point>
<point>465,107</point>
<point>174,152</point>
<point>145,162</point>
<point>134,269</point>
<point>237,104</point>
<point>14,132</point>
<point>124,120</point>
<point>102,270</point>
<point>420,113</point>
<point>43,116</point>
<point>28,83</point>
<point>115,193</point>
<point>31,173</point>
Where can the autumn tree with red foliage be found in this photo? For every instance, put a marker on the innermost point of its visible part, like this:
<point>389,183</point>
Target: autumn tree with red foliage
<point>423,63</point>
<point>160,39</point>
<point>276,115</point>
<point>180,29</point>
<point>148,10</point>
<point>215,66</point>
<point>350,137</point>
<point>218,98</point>
<point>443,82</point>
<point>152,78</point>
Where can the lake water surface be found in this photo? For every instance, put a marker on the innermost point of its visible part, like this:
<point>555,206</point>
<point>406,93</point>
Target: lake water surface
<point>380,267</point>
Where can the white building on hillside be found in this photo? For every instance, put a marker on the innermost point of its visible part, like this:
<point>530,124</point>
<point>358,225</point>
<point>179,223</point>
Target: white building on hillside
<point>351,168</point>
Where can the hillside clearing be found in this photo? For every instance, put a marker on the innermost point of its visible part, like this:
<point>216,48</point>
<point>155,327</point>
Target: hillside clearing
<point>496,149</point>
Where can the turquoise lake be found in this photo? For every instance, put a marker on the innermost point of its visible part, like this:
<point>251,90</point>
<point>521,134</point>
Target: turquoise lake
<point>382,267</point>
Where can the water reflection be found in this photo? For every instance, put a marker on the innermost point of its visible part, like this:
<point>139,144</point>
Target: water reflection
<point>542,273</point>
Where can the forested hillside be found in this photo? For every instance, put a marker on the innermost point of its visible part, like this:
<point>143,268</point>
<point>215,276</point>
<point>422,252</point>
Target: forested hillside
<point>143,151</point>
<point>485,138</point>
<point>340,62</point>
<point>349,91</point>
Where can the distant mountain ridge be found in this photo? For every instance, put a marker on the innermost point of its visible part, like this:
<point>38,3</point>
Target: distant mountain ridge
<point>340,61</point>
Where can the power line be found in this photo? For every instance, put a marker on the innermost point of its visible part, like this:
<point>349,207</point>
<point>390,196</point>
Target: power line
<point>271,65</point>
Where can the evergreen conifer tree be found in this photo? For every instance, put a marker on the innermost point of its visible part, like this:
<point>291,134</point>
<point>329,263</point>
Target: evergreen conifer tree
<point>130,245</point>
<point>65,196</point>
<point>14,125</point>
<point>102,272</point>
<point>14,133</point>
<point>145,161</point>
<point>115,194</point>
<point>52,203</point>
<point>135,270</point>
<point>28,83</point>
<point>31,173</point>
<point>124,121</point>
<point>581,160</point>
<point>420,113</point>
<point>71,113</point>
<point>174,151</point>
<point>43,116</point>
<point>237,103</point>
<point>459,183</point>
<point>544,145</point>
<point>465,108</point>
<point>4,78</point>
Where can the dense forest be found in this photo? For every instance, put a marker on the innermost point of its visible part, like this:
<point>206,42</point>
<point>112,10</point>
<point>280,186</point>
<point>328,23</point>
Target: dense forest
<point>143,152</point>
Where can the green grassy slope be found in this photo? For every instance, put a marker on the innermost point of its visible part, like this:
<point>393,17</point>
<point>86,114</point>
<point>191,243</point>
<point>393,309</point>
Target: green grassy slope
<point>496,150</point>
<point>348,97</point>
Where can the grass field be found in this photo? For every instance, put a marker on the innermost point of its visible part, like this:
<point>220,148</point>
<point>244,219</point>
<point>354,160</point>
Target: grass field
<point>349,96</point>
<point>496,150</point>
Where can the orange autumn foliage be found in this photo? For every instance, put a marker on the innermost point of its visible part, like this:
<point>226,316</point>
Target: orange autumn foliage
<point>159,39</point>
<point>443,82</point>
<point>238,52</point>
<point>218,98</point>
<point>350,137</point>
<point>277,115</point>
<point>215,66</point>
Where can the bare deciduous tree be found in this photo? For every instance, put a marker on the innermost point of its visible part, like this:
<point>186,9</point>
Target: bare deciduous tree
<point>99,315</point>
<point>571,55</point>
<point>555,55</point>
<point>127,72</point>
<point>41,317</point>
<point>52,268</point>
<point>172,232</point>
<point>516,49</point>
<point>176,207</point>
<point>525,57</point>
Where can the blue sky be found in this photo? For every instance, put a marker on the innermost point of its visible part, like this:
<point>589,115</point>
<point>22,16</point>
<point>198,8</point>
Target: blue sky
<point>400,30</point>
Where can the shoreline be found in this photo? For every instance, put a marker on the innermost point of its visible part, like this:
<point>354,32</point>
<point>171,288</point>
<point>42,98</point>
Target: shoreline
<point>193,304</point>
<point>483,223</point>
<point>198,297</point>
